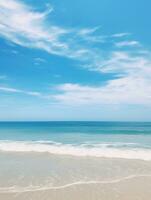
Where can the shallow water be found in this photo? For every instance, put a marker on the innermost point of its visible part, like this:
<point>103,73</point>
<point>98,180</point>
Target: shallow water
<point>97,139</point>
<point>75,160</point>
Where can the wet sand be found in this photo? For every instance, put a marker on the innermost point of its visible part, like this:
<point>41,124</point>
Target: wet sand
<point>73,178</point>
<point>137,188</point>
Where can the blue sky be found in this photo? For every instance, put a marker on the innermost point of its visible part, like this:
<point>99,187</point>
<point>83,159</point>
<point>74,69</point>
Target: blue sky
<point>75,60</point>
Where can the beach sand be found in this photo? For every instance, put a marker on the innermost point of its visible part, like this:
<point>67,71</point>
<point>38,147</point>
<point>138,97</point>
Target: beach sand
<point>137,188</point>
<point>49,177</point>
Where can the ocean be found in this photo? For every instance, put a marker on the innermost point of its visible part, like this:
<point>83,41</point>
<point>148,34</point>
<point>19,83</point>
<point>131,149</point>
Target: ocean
<point>52,160</point>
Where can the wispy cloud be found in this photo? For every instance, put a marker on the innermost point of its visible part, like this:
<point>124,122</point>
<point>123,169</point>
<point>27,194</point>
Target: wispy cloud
<point>22,25</point>
<point>38,61</point>
<point>14,90</point>
<point>127,43</point>
<point>90,35</point>
<point>120,35</point>
<point>132,85</point>
<point>126,62</point>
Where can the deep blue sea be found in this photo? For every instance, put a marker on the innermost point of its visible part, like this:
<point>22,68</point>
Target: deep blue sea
<point>130,140</point>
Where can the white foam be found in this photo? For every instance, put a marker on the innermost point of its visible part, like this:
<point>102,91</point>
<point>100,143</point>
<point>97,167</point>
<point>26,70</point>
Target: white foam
<point>105,151</point>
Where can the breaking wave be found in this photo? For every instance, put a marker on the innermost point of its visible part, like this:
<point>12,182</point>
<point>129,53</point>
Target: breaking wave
<point>104,150</point>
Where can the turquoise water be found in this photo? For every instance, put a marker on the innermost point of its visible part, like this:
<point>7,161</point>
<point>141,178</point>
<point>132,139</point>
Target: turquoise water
<point>48,155</point>
<point>100,139</point>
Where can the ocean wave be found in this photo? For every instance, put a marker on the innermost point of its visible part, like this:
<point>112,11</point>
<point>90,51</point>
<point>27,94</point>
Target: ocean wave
<point>104,150</point>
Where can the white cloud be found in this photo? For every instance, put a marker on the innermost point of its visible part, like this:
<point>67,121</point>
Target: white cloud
<point>38,61</point>
<point>14,90</point>
<point>7,89</point>
<point>126,63</point>
<point>126,90</point>
<point>88,31</point>
<point>133,86</point>
<point>119,35</point>
<point>127,43</point>
<point>24,26</point>
<point>90,35</point>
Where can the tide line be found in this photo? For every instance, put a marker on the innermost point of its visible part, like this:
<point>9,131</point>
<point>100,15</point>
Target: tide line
<point>37,188</point>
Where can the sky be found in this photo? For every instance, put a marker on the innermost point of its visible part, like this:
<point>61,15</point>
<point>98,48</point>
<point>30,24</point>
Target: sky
<point>75,60</point>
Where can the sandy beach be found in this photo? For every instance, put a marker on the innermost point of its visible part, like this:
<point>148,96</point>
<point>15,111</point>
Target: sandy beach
<point>137,188</point>
<point>64,177</point>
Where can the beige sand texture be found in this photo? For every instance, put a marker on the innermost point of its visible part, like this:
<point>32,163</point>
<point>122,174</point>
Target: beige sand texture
<point>130,188</point>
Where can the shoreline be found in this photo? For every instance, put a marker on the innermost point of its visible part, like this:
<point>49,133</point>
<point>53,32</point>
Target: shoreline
<point>132,189</point>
